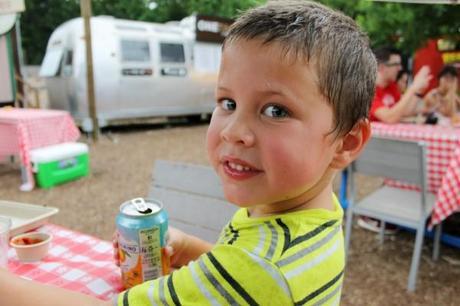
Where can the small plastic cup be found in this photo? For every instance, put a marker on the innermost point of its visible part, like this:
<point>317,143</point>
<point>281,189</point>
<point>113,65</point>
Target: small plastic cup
<point>5,225</point>
<point>32,246</point>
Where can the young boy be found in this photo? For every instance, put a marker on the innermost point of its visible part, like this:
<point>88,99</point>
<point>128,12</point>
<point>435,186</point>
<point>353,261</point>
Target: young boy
<point>295,85</point>
<point>444,99</point>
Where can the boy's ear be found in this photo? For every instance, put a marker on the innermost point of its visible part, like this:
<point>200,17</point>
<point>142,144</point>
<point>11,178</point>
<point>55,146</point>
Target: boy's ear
<point>352,144</point>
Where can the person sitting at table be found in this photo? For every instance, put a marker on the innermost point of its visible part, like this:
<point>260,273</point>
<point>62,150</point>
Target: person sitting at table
<point>444,98</point>
<point>402,80</point>
<point>281,130</point>
<point>389,105</point>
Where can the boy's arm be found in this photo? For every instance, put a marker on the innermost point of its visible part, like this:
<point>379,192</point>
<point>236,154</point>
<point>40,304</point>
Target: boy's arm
<point>186,248</point>
<point>20,292</point>
<point>430,101</point>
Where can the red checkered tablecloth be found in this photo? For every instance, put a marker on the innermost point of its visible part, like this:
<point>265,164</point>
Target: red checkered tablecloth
<point>75,261</point>
<point>24,129</point>
<point>443,162</point>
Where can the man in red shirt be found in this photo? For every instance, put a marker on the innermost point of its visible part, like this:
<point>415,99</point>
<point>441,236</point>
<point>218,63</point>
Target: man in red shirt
<point>389,105</point>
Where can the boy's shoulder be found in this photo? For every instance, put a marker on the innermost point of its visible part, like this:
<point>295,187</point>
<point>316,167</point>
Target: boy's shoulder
<point>290,254</point>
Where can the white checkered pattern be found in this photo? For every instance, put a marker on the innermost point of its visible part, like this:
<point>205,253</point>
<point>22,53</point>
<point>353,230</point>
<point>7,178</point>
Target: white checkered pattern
<point>443,161</point>
<point>75,262</point>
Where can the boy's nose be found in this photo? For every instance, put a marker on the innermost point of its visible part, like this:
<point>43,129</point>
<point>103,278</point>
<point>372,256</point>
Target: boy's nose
<point>237,130</point>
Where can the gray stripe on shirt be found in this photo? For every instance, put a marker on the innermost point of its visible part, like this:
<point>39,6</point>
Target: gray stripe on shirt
<point>216,284</point>
<point>306,251</point>
<point>209,297</point>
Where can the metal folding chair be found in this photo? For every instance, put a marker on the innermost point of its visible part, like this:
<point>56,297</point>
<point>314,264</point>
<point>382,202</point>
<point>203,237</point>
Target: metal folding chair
<point>403,161</point>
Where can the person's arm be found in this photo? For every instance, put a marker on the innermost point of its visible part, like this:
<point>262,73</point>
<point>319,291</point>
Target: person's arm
<point>430,102</point>
<point>184,248</point>
<point>407,104</point>
<point>20,292</point>
<point>453,97</point>
<point>405,107</point>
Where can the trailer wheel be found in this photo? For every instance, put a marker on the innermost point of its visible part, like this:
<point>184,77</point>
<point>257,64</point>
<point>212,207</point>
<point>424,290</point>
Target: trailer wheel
<point>194,119</point>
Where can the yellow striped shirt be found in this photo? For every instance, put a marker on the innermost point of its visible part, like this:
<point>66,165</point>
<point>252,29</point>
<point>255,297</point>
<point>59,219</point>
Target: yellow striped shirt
<point>290,259</point>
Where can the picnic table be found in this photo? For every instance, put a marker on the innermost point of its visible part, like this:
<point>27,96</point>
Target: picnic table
<point>75,261</point>
<point>22,130</point>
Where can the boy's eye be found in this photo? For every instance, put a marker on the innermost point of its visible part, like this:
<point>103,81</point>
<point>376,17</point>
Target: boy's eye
<point>276,111</point>
<point>228,104</point>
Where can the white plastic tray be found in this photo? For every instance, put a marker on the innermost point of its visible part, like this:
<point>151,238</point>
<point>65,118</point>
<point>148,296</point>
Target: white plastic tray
<point>25,217</point>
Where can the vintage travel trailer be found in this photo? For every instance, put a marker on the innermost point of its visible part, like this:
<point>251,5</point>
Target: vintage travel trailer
<point>141,69</point>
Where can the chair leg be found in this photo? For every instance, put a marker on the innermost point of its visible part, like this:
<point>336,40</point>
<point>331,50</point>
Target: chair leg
<point>24,177</point>
<point>348,227</point>
<point>437,241</point>
<point>416,257</point>
<point>382,232</point>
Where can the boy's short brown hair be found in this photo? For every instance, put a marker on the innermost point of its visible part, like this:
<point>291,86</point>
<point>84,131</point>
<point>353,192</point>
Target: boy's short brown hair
<point>331,41</point>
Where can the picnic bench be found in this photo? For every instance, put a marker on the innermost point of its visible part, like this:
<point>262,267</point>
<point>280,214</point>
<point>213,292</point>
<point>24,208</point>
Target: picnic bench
<point>193,198</point>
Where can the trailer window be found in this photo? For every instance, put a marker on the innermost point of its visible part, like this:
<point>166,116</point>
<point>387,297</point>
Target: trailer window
<point>172,53</point>
<point>135,51</point>
<point>51,63</point>
<point>67,63</point>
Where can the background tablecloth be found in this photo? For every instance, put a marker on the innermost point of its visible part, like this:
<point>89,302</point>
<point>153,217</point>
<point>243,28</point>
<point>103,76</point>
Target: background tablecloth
<point>24,129</point>
<point>443,162</point>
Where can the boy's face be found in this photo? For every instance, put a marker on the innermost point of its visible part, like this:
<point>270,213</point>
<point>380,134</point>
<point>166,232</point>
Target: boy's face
<point>268,137</point>
<point>448,82</point>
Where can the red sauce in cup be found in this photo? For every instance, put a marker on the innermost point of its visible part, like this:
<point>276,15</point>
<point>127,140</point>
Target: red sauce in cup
<point>27,241</point>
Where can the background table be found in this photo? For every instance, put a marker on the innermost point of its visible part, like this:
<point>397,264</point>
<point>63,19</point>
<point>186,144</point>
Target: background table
<point>443,162</point>
<point>75,261</point>
<point>24,129</point>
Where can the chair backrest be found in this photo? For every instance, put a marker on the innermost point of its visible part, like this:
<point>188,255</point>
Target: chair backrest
<point>401,160</point>
<point>193,198</point>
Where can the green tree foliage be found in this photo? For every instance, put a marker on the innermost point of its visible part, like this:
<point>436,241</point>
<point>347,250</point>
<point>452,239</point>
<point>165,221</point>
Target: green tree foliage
<point>43,16</point>
<point>407,26</point>
<point>223,8</point>
<point>39,21</point>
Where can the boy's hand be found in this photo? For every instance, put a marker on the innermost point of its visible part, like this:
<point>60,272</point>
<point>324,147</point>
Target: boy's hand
<point>116,256</point>
<point>176,243</point>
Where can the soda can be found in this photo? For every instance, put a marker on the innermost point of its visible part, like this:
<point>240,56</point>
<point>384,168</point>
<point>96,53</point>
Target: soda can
<point>142,225</point>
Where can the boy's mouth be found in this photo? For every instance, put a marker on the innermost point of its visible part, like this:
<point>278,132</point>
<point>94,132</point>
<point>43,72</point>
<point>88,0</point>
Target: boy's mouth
<point>238,169</point>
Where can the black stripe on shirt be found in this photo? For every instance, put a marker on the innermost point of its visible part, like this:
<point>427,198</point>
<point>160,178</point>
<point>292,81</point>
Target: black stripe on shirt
<point>172,291</point>
<point>311,234</point>
<point>232,282</point>
<point>235,233</point>
<point>320,290</point>
<point>125,298</point>
<point>287,234</point>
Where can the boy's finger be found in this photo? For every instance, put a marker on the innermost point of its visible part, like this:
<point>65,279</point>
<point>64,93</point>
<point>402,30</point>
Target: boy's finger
<point>169,250</point>
<point>116,256</point>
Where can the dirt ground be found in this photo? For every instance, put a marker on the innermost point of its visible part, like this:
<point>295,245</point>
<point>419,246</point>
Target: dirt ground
<point>121,167</point>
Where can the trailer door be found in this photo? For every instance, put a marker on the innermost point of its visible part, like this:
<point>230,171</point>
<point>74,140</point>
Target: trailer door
<point>176,94</point>
<point>136,76</point>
